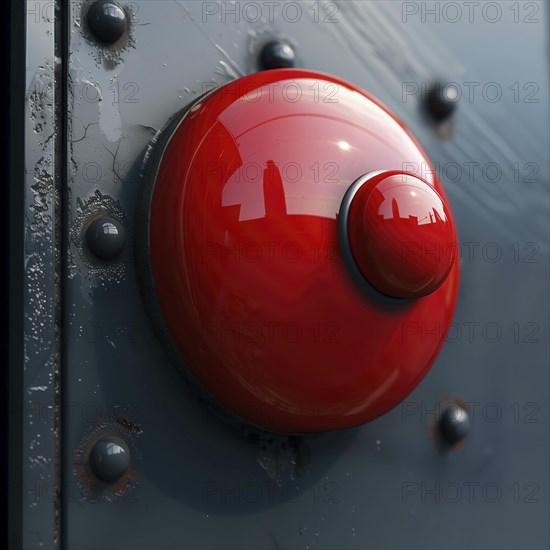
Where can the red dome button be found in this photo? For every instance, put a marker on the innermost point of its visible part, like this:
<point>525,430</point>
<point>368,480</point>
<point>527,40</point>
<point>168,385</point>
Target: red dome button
<point>401,234</point>
<point>241,260</point>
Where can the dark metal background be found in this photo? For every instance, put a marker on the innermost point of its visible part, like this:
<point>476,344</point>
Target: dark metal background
<point>199,483</point>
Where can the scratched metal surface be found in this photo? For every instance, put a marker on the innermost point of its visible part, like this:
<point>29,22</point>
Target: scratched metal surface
<point>40,400</point>
<point>199,484</point>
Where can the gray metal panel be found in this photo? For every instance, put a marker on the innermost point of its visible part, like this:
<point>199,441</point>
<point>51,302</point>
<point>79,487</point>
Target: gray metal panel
<point>200,484</point>
<point>40,401</point>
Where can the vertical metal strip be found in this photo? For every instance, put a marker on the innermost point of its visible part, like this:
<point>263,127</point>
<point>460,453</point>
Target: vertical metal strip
<point>41,276</point>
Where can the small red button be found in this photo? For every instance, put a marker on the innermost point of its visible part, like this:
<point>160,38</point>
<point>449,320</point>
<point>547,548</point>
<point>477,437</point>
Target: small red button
<point>401,235</point>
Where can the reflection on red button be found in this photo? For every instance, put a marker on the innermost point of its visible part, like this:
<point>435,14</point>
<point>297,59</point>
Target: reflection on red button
<point>401,235</point>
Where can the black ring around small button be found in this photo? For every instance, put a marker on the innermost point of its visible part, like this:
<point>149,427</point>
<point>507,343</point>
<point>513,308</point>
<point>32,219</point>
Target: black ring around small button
<point>345,248</point>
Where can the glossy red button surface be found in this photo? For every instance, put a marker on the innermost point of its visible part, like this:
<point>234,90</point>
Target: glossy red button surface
<point>246,263</point>
<point>401,235</point>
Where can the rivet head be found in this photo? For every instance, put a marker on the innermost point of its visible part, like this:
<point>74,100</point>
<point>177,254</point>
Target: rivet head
<point>441,101</point>
<point>107,21</point>
<point>106,237</point>
<point>109,459</point>
<point>454,424</point>
<point>277,55</point>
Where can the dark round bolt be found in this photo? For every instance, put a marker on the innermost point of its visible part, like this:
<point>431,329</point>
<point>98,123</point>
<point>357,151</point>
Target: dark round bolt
<point>110,459</point>
<point>277,55</point>
<point>106,237</point>
<point>454,424</point>
<point>107,21</point>
<point>441,101</point>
